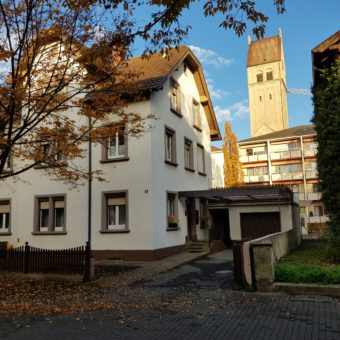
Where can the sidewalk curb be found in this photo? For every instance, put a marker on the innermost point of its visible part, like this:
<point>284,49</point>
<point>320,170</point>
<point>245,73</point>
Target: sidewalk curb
<point>304,288</point>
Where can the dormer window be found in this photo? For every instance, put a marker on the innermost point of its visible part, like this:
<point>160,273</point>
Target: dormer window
<point>259,76</point>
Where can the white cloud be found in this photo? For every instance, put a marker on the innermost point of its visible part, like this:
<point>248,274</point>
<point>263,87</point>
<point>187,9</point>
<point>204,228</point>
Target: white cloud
<point>238,110</point>
<point>209,57</point>
<point>214,92</point>
<point>222,114</point>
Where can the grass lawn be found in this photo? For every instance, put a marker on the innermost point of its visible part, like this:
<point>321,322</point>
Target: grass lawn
<point>308,264</point>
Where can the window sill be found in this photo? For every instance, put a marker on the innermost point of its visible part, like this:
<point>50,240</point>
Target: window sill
<point>7,233</point>
<point>178,114</point>
<point>49,233</point>
<point>202,173</point>
<point>189,169</point>
<point>171,163</point>
<point>118,231</point>
<point>114,160</point>
<point>197,128</point>
<point>172,229</point>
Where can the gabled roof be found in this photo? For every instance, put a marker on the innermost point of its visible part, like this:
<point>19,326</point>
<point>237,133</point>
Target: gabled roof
<point>332,43</point>
<point>264,51</point>
<point>301,130</point>
<point>155,70</point>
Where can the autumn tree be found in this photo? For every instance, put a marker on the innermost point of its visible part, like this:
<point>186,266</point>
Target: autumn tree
<point>63,71</point>
<point>233,174</point>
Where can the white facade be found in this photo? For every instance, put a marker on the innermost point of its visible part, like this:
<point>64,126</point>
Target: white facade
<point>143,178</point>
<point>217,163</point>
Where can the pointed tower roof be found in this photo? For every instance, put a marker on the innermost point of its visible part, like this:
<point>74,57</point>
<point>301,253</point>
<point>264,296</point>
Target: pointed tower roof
<point>264,51</point>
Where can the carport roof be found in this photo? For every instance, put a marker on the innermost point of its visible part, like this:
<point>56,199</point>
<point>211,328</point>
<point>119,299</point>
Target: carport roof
<point>243,194</point>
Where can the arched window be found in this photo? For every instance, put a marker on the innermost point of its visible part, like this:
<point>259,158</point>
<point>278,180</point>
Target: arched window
<point>259,76</point>
<point>269,74</point>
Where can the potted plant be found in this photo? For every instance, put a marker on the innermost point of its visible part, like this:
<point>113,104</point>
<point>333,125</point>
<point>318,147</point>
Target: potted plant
<point>173,221</point>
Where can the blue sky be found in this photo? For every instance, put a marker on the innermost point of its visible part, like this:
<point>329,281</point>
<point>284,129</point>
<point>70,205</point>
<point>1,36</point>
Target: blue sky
<point>223,55</point>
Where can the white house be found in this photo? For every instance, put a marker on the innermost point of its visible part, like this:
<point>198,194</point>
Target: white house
<point>126,216</point>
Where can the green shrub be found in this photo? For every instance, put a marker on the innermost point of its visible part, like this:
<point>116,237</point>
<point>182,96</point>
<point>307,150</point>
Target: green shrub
<point>307,273</point>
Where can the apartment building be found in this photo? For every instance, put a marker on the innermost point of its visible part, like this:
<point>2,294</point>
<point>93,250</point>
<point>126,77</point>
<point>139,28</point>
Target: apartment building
<point>287,157</point>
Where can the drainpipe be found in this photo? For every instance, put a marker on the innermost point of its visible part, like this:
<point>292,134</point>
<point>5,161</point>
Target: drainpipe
<point>89,207</point>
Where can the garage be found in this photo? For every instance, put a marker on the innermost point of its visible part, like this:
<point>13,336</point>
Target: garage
<point>255,225</point>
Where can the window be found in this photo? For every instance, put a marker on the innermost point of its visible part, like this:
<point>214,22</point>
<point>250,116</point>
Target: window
<point>249,152</point>
<point>259,77</point>
<point>115,147</point>
<point>50,214</point>
<point>5,216</point>
<point>196,114</point>
<point>114,211</point>
<point>316,187</point>
<point>270,96</point>
<point>172,210</point>
<point>269,75</point>
<point>318,210</point>
<point>200,159</point>
<point>260,98</point>
<point>51,155</point>
<point>170,146</point>
<point>175,97</point>
<point>188,155</point>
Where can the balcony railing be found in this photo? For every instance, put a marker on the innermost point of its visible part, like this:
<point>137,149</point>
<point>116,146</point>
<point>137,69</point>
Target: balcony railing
<point>310,153</point>
<point>314,196</point>
<point>318,219</point>
<point>286,154</point>
<point>256,179</point>
<point>311,174</point>
<point>253,158</point>
<point>286,176</point>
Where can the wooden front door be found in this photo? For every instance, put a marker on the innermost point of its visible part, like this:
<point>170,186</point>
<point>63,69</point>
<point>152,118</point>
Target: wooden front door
<point>191,220</point>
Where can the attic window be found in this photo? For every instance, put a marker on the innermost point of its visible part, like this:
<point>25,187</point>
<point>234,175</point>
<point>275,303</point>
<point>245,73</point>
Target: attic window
<point>175,97</point>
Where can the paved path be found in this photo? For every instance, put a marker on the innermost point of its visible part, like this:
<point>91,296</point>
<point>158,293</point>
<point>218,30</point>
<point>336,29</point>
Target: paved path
<point>194,301</point>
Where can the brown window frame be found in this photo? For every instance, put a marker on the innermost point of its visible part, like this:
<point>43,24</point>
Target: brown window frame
<point>196,110</point>
<point>50,200</point>
<point>105,148</point>
<point>201,147</point>
<point>106,195</point>
<point>173,196</point>
<point>190,166</point>
<point>53,158</point>
<point>6,202</point>
<point>175,90</point>
<point>169,132</point>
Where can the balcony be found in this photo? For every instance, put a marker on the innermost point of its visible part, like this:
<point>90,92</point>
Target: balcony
<point>314,196</point>
<point>253,158</point>
<point>256,179</point>
<point>318,219</point>
<point>311,174</point>
<point>286,176</point>
<point>310,153</point>
<point>286,154</point>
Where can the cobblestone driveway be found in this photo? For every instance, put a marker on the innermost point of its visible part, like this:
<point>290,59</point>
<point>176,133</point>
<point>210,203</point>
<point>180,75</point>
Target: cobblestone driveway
<point>194,301</point>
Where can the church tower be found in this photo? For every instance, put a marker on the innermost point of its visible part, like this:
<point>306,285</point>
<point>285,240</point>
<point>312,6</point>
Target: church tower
<point>267,86</point>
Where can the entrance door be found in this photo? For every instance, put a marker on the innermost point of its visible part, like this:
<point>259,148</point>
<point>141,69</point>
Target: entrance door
<point>191,219</point>
<point>255,225</point>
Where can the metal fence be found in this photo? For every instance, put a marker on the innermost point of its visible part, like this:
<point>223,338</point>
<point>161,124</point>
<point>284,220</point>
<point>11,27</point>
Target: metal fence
<point>27,259</point>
